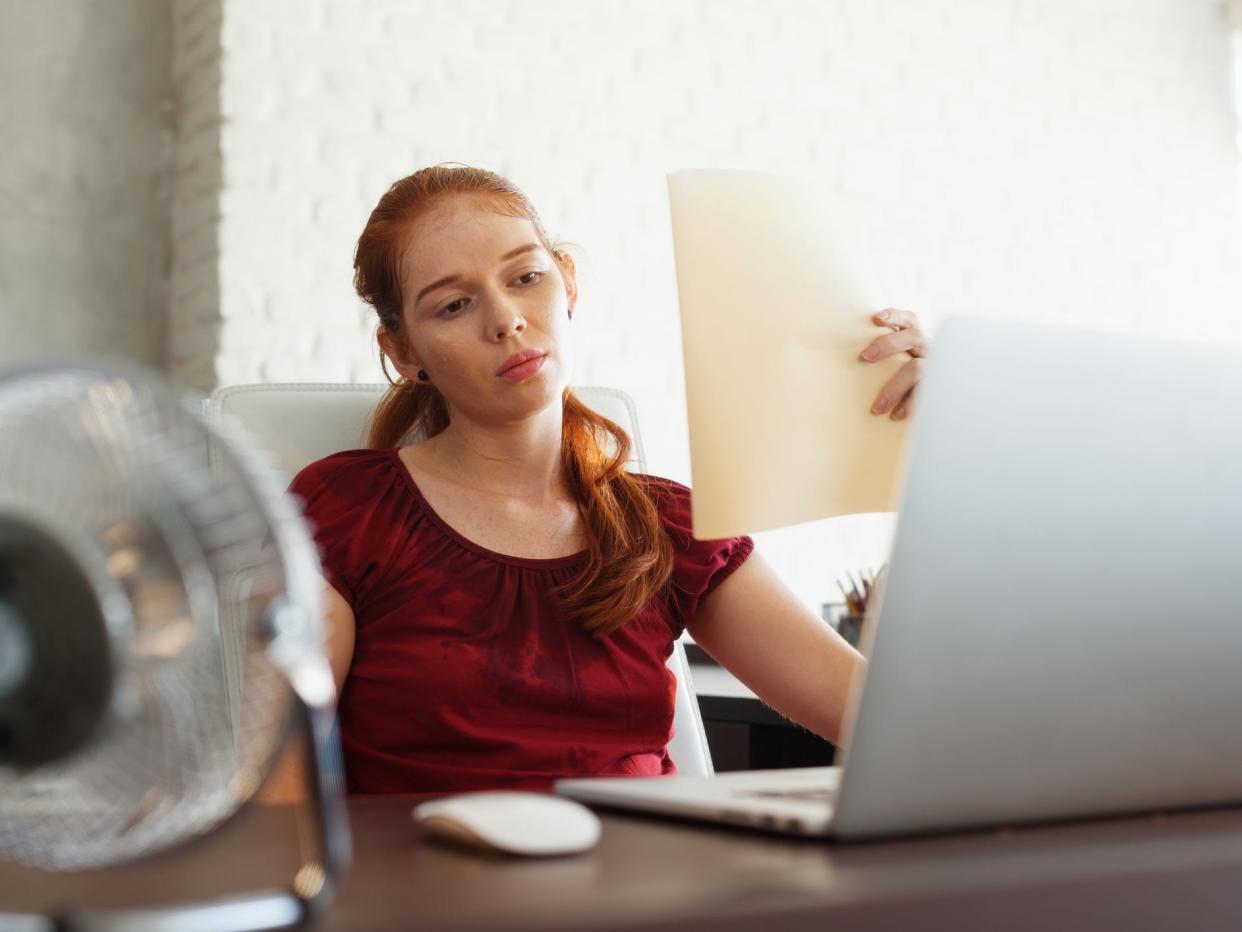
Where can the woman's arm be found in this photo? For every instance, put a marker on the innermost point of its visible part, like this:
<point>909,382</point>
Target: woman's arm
<point>759,630</point>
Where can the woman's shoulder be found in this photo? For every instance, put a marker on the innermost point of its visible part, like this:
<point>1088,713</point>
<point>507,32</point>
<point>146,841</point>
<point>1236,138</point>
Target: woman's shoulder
<point>343,470</point>
<point>664,491</point>
<point>671,498</point>
<point>660,482</point>
<point>698,565</point>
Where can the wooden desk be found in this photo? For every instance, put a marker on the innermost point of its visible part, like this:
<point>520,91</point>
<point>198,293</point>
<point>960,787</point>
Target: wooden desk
<point>1177,872</point>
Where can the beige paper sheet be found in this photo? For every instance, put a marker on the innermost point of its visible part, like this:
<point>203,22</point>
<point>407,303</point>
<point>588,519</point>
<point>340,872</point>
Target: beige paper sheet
<point>774,314</point>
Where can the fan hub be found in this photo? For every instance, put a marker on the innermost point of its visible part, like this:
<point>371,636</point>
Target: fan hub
<point>55,666</point>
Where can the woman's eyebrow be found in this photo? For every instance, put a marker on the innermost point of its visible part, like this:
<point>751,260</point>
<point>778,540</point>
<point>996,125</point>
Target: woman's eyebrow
<point>449,279</point>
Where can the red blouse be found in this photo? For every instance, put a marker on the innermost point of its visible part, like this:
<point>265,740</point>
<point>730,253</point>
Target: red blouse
<point>466,675</point>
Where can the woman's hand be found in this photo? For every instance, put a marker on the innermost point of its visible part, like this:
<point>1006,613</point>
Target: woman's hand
<point>904,336</point>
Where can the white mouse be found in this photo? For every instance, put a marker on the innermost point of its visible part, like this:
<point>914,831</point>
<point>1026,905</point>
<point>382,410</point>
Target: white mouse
<point>511,821</point>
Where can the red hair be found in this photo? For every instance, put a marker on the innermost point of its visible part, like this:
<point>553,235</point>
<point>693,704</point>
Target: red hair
<point>629,556</point>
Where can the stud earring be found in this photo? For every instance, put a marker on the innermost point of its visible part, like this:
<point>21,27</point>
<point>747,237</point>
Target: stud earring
<point>422,376</point>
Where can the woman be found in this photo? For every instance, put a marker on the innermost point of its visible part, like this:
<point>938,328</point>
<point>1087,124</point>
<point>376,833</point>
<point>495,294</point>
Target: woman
<point>502,595</point>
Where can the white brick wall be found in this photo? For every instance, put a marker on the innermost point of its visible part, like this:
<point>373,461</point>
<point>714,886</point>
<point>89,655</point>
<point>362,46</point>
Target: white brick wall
<point>1064,158</point>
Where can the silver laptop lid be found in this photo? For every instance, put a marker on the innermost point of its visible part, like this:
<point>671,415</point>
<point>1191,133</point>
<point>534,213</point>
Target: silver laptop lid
<point>1061,631</point>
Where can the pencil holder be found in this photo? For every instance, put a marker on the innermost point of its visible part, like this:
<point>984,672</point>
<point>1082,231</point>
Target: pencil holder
<point>849,626</point>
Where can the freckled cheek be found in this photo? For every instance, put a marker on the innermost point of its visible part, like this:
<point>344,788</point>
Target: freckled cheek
<point>551,314</point>
<point>540,313</point>
<point>448,358</point>
<point>549,297</point>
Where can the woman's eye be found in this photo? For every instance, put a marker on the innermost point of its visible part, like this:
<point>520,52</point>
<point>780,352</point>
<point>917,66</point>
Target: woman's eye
<point>453,307</point>
<point>530,278</point>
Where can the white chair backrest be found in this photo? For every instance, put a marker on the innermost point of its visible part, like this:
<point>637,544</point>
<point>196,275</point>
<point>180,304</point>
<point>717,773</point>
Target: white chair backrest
<point>298,423</point>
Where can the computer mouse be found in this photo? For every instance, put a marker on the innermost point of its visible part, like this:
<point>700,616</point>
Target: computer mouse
<point>510,821</point>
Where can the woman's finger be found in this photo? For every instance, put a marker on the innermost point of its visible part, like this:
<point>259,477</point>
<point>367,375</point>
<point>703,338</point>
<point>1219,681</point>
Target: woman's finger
<point>910,340</point>
<point>896,317</point>
<point>895,396</point>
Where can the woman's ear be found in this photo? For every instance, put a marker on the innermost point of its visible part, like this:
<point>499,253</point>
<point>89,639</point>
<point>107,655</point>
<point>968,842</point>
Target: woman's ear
<point>566,263</point>
<point>393,345</point>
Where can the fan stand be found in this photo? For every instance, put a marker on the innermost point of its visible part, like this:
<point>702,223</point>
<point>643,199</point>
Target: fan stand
<point>326,845</point>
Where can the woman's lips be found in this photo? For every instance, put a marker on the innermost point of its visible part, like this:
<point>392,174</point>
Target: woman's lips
<point>524,370</point>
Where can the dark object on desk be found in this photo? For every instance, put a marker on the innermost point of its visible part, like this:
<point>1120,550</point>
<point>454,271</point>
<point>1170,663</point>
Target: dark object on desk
<point>696,654</point>
<point>745,734</point>
<point>145,691</point>
<point>742,732</point>
<point>849,626</point>
<point>738,744</point>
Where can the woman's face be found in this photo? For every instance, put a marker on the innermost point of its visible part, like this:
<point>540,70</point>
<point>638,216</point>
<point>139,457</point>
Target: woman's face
<point>486,309</point>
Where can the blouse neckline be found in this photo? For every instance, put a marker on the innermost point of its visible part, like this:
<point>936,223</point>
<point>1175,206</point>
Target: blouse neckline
<point>465,542</point>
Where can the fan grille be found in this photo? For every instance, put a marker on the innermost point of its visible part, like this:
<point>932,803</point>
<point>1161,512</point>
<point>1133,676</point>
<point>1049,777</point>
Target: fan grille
<point>187,563</point>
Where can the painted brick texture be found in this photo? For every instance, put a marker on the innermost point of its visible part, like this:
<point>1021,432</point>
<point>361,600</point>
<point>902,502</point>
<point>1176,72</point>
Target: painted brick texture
<point>1067,160</point>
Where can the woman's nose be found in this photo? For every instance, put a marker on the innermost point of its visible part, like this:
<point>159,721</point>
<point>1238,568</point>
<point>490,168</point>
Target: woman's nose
<point>506,319</point>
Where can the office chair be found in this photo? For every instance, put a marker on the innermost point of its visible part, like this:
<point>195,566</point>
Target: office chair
<point>299,423</point>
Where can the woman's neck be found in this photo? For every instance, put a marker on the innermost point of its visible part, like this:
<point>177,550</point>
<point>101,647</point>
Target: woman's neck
<point>517,460</point>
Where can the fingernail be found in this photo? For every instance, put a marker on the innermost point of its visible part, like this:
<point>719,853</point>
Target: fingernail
<point>880,406</point>
<point>883,315</point>
<point>899,414</point>
<point>870,353</point>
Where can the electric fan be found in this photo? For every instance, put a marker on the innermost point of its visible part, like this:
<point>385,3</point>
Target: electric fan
<point>160,637</point>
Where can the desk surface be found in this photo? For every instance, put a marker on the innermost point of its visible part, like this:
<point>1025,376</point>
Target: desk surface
<point>1160,872</point>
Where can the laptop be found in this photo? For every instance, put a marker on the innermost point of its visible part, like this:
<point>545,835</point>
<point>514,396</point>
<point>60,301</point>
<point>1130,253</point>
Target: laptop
<point>1059,633</point>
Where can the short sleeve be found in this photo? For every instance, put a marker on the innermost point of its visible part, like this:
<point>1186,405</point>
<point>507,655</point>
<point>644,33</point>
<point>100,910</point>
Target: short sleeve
<point>699,566</point>
<point>326,491</point>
